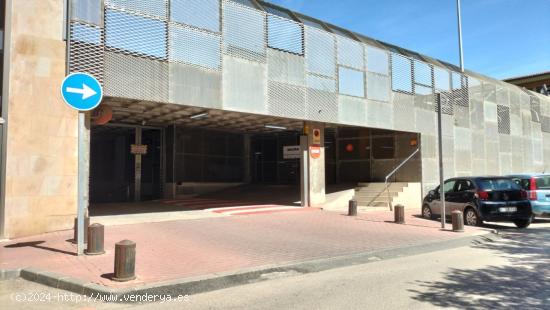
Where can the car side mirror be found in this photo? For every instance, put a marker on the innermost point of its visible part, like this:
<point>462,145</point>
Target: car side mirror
<point>431,193</point>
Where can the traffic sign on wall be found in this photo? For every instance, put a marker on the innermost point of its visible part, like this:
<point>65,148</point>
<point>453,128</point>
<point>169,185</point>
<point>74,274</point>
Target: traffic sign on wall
<point>81,91</point>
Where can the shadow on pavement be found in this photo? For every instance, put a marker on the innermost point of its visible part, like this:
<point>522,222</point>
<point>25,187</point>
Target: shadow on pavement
<point>524,285</point>
<point>37,245</point>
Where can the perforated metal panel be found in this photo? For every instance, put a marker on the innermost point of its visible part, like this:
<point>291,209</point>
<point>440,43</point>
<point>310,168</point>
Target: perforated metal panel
<point>535,109</point>
<point>489,92</point>
<point>442,79</point>
<point>191,85</point>
<point>352,82</point>
<point>378,87</point>
<point>86,52</point>
<point>503,119</point>
<point>203,14</point>
<point>320,52</point>
<point>321,106</point>
<point>195,47</point>
<point>134,34</point>
<point>243,32</point>
<point>515,104</point>
<point>350,53</point>
<point>286,68</point>
<point>153,8</point>
<point>286,100</point>
<point>401,73</point>
<point>377,60</point>
<point>446,103</point>
<point>89,11</point>
<point>135,77</point>
<point>285,35</point>
<point>352,110</point>
<point>545,124</point>
<point>321,83</point>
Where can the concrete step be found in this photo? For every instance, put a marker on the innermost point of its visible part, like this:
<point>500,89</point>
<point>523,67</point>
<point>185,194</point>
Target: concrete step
<point>379,189</point>
<point>382,184</point>
<point>359,201</point>
<point>376,193</point>
<point>363,207</point>
<point>369,196</point>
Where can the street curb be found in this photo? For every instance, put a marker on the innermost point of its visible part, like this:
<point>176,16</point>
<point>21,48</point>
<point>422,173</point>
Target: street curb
<point>9,274</point>
<point>201,284</point>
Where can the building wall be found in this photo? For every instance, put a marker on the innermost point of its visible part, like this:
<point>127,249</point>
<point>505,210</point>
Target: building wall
<point>231,56</point>
<point>41,173</point>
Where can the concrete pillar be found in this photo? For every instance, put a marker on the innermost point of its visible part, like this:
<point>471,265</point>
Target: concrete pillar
<point>316,163</point>
<point>304,171</point>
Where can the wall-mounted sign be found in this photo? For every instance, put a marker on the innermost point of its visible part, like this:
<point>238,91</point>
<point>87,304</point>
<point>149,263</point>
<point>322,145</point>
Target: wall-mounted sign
<point>138,149</point>
<point>315,151</point>
<point>291,152</point>
<point>316,136</point>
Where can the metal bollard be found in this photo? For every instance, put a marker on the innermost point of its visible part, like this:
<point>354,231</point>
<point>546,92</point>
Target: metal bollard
<point>399,214</point>
<point>125,261</point>
<point>86,225</point>
<point>458,221</point>
<point>96,233</point>
<point>352,208</point>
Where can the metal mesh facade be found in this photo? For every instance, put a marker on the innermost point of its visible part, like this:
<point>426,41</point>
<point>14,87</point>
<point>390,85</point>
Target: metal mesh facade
<point>232,55</point>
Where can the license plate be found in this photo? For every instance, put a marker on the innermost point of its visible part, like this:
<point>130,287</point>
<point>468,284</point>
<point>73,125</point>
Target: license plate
<point>508,209</point>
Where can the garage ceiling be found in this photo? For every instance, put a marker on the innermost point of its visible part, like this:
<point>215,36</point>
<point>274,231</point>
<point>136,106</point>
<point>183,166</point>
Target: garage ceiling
<point>135,112</point>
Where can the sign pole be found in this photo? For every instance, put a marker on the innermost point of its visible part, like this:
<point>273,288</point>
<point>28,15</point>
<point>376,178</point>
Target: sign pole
<point>440,144</point>
<point>81,182</point>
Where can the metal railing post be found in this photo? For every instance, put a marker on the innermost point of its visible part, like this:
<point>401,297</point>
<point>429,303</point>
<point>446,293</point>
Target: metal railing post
<point>387,185</point>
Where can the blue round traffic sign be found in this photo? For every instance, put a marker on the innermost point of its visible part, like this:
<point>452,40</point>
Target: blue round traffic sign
<point>81,91</point>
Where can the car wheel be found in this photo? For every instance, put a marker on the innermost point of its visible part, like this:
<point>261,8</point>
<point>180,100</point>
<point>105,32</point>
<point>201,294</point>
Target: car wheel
<point>522,223</point>
<point>427,212</point>
<point>471,218</point>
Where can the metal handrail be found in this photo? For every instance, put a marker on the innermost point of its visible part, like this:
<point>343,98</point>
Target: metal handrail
<point>393,172</point>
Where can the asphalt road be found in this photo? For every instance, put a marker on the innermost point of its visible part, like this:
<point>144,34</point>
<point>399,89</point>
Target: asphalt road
<point>509,273</point>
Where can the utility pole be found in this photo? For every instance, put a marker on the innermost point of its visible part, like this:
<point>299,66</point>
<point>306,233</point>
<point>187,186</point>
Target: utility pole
<point>440,144</point>
<point>459,18</point>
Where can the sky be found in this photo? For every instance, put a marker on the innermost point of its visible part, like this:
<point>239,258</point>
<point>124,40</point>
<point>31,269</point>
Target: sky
<point>501,38</point>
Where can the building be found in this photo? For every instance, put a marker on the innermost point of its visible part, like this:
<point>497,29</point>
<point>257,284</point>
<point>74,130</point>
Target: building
<point>539,82</point>
<point>217,89</point>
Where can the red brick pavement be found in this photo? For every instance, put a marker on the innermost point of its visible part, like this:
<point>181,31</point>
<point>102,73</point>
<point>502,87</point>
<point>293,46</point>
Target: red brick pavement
<point>181,249</point>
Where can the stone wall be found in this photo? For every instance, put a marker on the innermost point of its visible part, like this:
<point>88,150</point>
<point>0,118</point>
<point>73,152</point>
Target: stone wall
<point>41,172</point>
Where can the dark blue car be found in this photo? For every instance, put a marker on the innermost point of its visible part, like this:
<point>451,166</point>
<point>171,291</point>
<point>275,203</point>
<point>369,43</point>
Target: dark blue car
<point>493,199</point>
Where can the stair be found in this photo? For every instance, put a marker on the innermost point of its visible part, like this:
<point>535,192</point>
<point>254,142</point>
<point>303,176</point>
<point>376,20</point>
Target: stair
<point>376,194</point>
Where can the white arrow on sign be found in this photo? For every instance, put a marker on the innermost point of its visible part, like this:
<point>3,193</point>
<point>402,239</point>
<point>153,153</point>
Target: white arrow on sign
<point>85,91</point>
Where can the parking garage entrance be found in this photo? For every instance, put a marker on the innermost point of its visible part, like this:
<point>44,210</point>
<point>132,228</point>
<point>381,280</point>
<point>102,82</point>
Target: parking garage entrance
<point>120,172</point>
<point>218,159</point>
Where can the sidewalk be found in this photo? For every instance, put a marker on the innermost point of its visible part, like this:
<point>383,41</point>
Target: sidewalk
<point>190,248</point>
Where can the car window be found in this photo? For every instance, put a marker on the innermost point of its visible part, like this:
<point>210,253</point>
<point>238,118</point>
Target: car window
<point>543,182</point>
<point>449,186</point>
<point>523,183</point>
<point>498,184</point>
<point>463,186</point>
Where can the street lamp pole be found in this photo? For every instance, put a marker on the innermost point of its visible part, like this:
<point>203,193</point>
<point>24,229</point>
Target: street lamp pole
<point>441,173</point>
<point>459,18</point>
